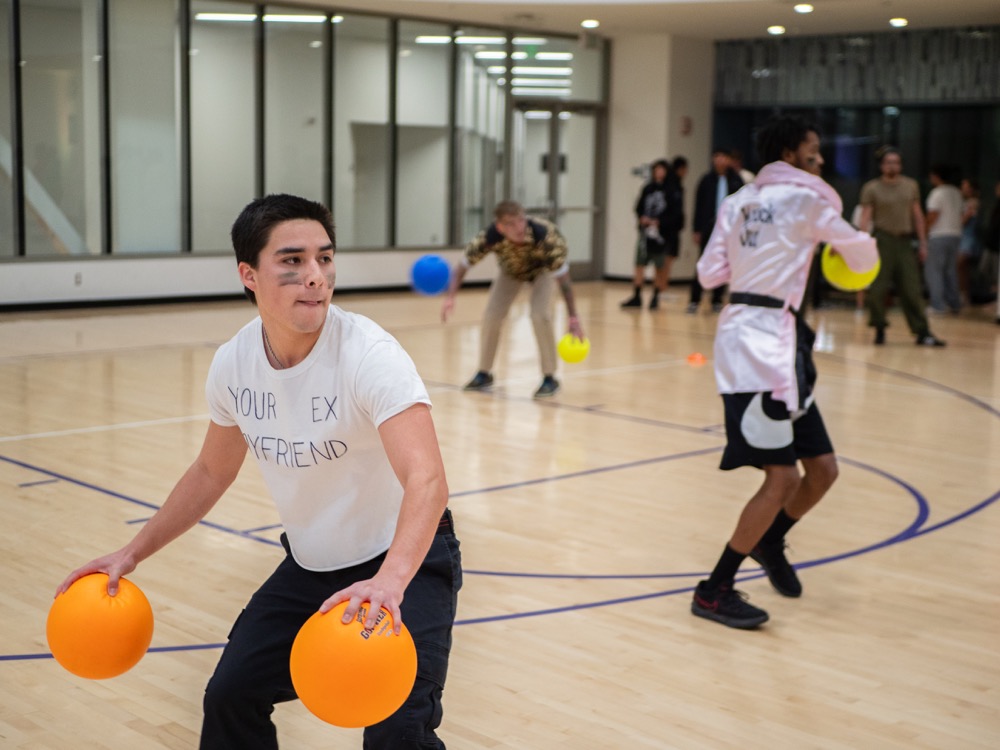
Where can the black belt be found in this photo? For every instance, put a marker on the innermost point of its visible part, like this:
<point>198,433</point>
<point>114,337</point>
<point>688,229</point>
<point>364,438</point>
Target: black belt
<point>756,300</point>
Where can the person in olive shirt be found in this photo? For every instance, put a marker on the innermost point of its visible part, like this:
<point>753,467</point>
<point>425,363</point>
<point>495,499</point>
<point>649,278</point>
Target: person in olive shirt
<point>890,210</point>
<point>529,251</point>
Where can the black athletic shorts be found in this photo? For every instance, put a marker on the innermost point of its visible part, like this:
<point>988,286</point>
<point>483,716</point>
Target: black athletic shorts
<point>761,432</point>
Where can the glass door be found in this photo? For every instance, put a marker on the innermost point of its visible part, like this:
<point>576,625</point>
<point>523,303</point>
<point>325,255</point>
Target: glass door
<point>553,174</point>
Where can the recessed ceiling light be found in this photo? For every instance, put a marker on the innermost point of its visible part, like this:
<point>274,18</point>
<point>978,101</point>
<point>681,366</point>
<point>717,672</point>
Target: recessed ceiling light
<point>898,22</point>
<point>803,8</point>
<point>590,23</point>
<point>776,30</point>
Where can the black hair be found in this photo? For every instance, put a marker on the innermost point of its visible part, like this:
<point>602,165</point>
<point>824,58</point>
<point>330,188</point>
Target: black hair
<point>661,163</point>
<point>679,162</point>
<point>252,229</point>
<point>782,132</point>
<point>945,172</point>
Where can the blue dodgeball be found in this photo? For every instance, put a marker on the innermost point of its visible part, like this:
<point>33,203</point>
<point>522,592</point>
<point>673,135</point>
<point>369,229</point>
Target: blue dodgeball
<point>430,275</point>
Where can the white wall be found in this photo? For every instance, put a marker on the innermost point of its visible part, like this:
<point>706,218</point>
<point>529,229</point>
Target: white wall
<point>657,80</point>
<point>123,279</point>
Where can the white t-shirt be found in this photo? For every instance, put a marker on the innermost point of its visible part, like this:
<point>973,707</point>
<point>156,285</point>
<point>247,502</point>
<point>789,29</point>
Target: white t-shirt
<point>947,200</point>
<point>763,242</point>
<point>313,429</point>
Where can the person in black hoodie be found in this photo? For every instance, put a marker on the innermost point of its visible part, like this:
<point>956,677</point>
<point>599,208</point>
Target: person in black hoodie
<point>720,181</point>
<point>660,213</point>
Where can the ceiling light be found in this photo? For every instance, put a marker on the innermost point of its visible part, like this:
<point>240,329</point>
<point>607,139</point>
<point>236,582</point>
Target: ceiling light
<point>776,30</point>
<point>520,70</point>
<point>530,40</point>
<point>284,18</point>
<point>533,114</point>
<point>590,23</point>
<point>898,22</point>
<point>539,92</point>
<point>480,40</point>
<point>337,19</point>
<point>554,56</point>
<point>424,39</point>
<point>540,82</point>
<point>270,17</point>
<point>803,8</point>
<point>225,16</point>
<point>495,54</point>
<point>496,70</point>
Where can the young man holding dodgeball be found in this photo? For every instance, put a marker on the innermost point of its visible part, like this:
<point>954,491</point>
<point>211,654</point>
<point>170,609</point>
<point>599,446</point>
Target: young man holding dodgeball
<point>762,246</point>
<point>336,416</point>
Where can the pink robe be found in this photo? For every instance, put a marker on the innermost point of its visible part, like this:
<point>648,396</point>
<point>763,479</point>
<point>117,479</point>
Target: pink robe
<point>763,242</point>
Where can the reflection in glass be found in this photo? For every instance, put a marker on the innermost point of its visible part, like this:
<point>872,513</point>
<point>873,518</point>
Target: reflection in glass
<point>577,140</point>
<point>145,158</point>
<point>361,132</point>
<point>7,233</point>
<point>293,97</point>
<point>480,128</point>
<point>422,107</point>
<point>222,121</point>
<point>61,74</point>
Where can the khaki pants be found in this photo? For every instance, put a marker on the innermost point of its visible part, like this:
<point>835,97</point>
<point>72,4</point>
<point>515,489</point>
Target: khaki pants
<point>502,293</point>
<point>901,271</point>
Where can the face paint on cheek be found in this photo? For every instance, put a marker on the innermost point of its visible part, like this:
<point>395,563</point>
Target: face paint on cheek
<point>331,279</point>
<point>289,278</point>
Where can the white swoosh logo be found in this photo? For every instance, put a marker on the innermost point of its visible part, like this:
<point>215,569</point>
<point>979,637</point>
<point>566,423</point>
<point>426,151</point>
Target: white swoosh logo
<point>761,431</point>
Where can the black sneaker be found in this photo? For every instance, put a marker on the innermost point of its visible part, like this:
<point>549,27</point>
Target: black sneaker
<point>654,303</point>
<point>726,605</point>
<point>692,308</point>
<point>633,301</point>
<point>548,387</point>
<point>781,574</point>
<point>879,336</point>
<point>929,339</point>
<point>479,381</point>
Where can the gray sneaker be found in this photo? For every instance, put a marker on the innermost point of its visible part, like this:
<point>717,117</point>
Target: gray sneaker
<point>548,387</point>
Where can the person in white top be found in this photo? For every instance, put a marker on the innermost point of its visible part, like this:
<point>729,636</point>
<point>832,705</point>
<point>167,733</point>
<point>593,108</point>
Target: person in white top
<point>762,246</point>
<point>333,411</point>
<point>944,235</point>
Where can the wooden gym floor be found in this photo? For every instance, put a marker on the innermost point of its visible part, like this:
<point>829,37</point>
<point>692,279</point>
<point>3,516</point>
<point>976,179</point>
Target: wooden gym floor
<point>585,522</point>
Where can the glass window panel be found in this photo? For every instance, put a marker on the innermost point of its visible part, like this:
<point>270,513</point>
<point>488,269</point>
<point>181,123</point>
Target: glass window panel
<point>422,118</point>
<point>479,130</point>
<point>223,127</point>
<point>293,97</point>
<point>7,234</point>
<point>62,131</point>
<point>361,131</point>
<point>557,68</point>
<point>577,145</point>
<point>145,155</point>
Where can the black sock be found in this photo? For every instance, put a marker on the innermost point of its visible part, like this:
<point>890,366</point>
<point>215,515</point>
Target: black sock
<point>782,523</point>
<point>725,569</point>
<point>638,291</point>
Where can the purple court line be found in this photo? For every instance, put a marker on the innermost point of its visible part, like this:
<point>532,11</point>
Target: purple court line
<point>912,531</point>
<point>120,496</point>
